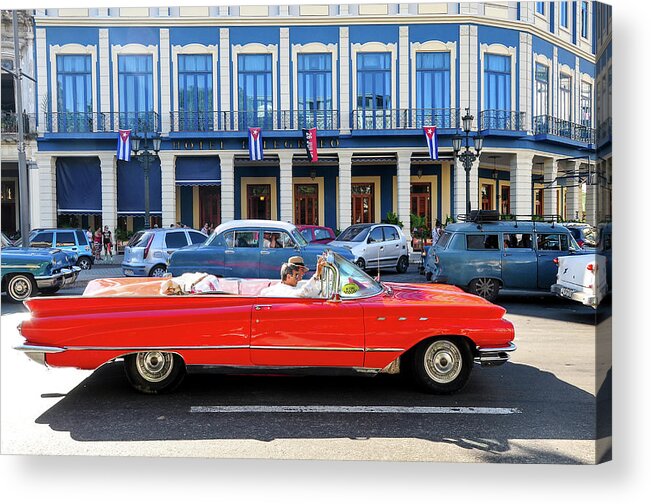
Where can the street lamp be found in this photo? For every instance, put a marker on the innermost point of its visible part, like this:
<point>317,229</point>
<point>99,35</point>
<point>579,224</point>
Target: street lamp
<point>467,156</point>
<point>141,149</point>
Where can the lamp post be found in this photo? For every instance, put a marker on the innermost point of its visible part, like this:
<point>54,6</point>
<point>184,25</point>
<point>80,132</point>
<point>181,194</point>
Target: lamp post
<point>467,156</point>
<point>141,149</point>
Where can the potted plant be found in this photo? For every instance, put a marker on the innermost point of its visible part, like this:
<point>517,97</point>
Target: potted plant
<point>419,231</point>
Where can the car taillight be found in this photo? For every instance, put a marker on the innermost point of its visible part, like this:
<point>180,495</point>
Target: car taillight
<point>591,267</point>
<point>556,261</point>
<point>151,239</point>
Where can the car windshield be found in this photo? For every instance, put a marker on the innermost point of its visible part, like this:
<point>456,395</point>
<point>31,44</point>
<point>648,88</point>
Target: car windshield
<point>300,239</point>
<point>353,282</point>
<point>354,234</point>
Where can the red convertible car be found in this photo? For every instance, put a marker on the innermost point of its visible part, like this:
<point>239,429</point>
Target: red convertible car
<point>433,332</point>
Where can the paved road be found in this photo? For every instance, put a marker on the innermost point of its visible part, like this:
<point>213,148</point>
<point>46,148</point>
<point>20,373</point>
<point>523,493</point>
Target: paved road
<point>539,408</point>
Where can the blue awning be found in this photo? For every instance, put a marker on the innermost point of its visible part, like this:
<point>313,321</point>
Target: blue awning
<point>198,171</point>
<point>131,188</point>
<point>79,185</point>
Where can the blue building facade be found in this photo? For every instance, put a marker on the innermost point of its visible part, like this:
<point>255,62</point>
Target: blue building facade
<point>368,77</point>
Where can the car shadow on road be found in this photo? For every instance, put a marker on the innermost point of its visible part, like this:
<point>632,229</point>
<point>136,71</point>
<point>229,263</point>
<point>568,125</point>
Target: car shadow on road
<point>105,408</point>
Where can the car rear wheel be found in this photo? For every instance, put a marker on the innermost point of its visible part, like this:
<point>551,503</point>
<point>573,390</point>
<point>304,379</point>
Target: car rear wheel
<point>403,264</point>
<point>441,366</point>
<point>157,271</point>
<point>360,263</point>
<point>20,287</point>
<point>154,372</point>
<point>488,288</point>
<point>84,263</point>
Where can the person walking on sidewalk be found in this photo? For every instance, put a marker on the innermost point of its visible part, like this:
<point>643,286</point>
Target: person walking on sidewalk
<point>108,246</point>
<point>97,244</point>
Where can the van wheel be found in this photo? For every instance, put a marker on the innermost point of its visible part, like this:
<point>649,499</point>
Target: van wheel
<point>154,372</point>
<point>403,264</point>
<point>84,263</point>
<point>488,288</point>
<point>157,271</point>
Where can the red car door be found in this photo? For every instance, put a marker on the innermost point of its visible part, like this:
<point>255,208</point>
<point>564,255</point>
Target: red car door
<point>306,332</point>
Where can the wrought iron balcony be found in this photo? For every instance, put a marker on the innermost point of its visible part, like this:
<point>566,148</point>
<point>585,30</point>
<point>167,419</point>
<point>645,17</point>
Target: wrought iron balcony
<point>548,125</point>
<point>240,121</point>
<point>9,123</point>
<point>75,122</point>
<point>299,119</point>
<point>135,121</point>
<point>504,120</point>
<point>405,119</point>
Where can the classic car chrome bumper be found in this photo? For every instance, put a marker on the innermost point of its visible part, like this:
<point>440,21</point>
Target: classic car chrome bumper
<point>37,353</point>
<point>575,295</point>
<point>494,356</point>
<point>64,277</point>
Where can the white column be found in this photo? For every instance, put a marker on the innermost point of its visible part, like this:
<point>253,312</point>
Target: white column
<point>475,194</point>
<point>404,193</point>
<point>41,77</point>
<point>34,195</point>
<point>284,76</point>
<point>225,79</point>
<point>108,169</point>
<point>47,184</point>
<point>403,66</point>
<point>286,186</point>
<point>550,172</point>
<point>168,187</point>
<point>526,71</point>
<point>468,78</point>
<point>228,186</point>
<point>344,82</point>
<point>521,168</point>
<point>555,82</point>
<point>459,189</point>
<point>165,88</point>
<point>104,77</point>
<point>573,201</point>
<point>345,214</point>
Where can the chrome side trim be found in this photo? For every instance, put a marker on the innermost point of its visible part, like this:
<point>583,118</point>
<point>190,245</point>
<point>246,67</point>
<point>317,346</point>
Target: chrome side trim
<point>333,349</point>
<point>147,349</point>
<point>42,349</point>
<point>381,318</point>
<point>424,318</point>
<point>402,318</point>
<point>385,349</point>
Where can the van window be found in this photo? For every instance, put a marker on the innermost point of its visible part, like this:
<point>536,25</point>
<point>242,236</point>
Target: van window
<point>66,239</point>
<point>553,242</point>
<point>482,242</point>
<point>518,240</point>
<point>81,238</point>
<point>42,240</point>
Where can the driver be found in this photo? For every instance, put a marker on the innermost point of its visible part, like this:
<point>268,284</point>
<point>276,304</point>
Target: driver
<point>291,273</point>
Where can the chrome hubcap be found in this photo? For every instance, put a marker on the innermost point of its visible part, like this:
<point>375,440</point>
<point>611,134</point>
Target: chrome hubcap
<point>443,361</point>
<point>20,287</point>
<point>159,272</point>
<point>154,366</point>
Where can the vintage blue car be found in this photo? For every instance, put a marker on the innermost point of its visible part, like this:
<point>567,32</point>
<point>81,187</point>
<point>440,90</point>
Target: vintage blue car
<point>484,257</point>
<point>28,271</point>
<point>248,249</point>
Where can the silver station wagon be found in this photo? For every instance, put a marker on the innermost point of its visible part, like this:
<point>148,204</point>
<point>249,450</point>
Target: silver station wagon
<point>484,257</point>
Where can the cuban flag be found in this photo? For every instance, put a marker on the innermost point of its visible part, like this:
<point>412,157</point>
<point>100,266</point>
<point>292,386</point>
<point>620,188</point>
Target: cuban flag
<point>309,135</point>
<point>124,145</point>
<point>432,141</point>
<point>255,144</point>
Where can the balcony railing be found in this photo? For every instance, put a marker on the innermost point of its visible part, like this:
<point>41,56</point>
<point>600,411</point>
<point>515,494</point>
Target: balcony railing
<point>9,123</point>
<point>548,125</point>
<point>75,122</point>
<point>505,120</point>
<point>135,121</point>
<point>405,119</point>
<point>241,121</point>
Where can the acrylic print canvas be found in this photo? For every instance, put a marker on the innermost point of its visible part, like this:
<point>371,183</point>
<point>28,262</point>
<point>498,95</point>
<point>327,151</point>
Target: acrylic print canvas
<point>334,232</point>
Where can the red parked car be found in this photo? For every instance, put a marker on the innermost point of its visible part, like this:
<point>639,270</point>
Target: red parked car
<point>317,234</point>
<point>435,333</point>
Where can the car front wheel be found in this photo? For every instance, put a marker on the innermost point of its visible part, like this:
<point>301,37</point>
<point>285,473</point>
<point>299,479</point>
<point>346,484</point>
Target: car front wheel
<point>488,288</point>
<point>20,287</point>
<point>403,264</point>
<point>360,263</point>
<point>154,372</point>
<point>441,366</point>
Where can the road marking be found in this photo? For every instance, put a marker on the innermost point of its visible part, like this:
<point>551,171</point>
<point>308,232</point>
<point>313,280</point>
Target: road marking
<point>420,410</point>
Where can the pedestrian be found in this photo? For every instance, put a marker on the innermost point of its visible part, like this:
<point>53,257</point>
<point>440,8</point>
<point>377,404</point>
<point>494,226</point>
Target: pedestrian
<point>436,232</point>
<point>89,236</point>
<point>97,244</point>
<point>205,228</point>
<point>107,239</point>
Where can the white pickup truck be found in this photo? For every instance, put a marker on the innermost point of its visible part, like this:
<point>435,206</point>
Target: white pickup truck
<point>581,278</point>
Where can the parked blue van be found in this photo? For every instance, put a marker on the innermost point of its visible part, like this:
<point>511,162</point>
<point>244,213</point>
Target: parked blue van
<point>486,256</point>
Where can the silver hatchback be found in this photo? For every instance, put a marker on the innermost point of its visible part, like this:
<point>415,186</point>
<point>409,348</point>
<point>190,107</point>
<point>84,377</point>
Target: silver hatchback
<point>149,250</point>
